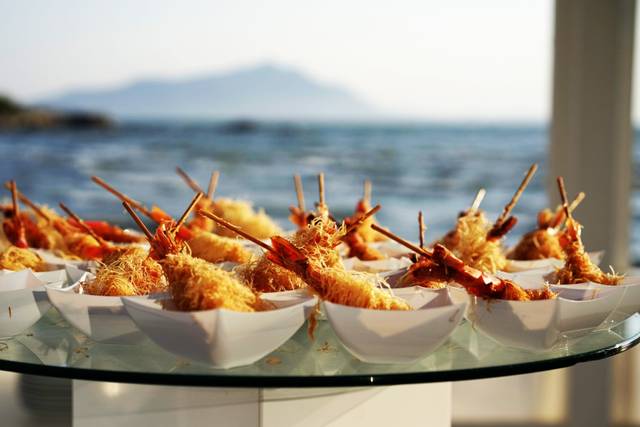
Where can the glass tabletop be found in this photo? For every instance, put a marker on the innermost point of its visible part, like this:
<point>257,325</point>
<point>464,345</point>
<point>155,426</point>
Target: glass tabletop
<point>53,348</point>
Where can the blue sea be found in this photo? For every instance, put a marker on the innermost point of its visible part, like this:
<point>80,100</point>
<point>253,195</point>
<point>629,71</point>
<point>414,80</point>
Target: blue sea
<point>436,168</point>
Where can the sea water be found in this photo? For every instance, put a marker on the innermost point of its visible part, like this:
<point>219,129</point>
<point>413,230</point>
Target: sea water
<point>436,168</point>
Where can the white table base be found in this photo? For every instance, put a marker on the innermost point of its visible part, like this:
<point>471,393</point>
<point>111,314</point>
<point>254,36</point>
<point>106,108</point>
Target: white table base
<point>98,404</point>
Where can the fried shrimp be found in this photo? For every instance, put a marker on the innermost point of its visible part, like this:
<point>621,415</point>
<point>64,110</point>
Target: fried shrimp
<point>330,283</point>
<point>15,259</point>
<point>538,244</point>
<point>241,212</point>
<point>544,242</point>
<point>128,272</point>
<point>440,266</point>
<point>469,242</point>
<point>365,231</point>
<point>198,285</point>
<point>334,284</point>
<point>360,234</point>
<point>359,248</point>
<point>578,267</point>
<point>214,248</point>
<point>478,243</point>
<point>316,241</point>
<point>194,283</point>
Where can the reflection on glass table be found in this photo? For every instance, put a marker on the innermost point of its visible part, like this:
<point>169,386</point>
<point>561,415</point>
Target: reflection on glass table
<point>53,347</point>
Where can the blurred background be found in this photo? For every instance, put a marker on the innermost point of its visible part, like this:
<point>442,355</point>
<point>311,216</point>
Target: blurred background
<point>431,100</point>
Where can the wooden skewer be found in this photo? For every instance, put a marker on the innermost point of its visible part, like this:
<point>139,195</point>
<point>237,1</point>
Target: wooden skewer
<point>187,212</point>
<point>138,221</point>
<point>34,208</point>
<point>421,229</point>
<point>84,226</point>
<point>400,240</point>
<point>561,218</point>
<point>576,202</point>
<point>512,203</point>
<point>14,199</point>
<point>236,230</point>
<point>321,189</point>
<point>213,184</point>
<point>297,182</point>
<point>563,197</point>
<point>24,199</point>
<point>362,218</point>
<point>188,180</point>
<point>123,197</point>
<point>366,196</point>
<point>478,200</point>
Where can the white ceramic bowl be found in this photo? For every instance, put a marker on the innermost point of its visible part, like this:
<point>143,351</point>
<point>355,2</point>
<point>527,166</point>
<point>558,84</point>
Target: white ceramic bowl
<point>537,325</point>
<point>23,302</point>
<point>101,318</point>
<point>548,264</point>
<point>55,260</point>
<point>64,277</point>
<point>629,301</point>
<point>382,336</point>
<point>220,338</point>
<point>376,266</point>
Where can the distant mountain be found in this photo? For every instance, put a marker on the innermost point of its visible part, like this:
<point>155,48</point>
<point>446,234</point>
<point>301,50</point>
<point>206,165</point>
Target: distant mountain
<point>262,92</point>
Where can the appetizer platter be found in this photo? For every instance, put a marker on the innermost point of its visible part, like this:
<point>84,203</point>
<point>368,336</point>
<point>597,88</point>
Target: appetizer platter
<point>225,286</point>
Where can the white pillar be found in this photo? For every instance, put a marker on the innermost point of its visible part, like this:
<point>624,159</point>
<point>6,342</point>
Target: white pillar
<point>591,133</point>
<point>591,140</point>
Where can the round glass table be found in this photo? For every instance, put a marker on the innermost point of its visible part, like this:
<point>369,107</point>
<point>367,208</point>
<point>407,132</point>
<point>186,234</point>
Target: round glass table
<point>305,368</point>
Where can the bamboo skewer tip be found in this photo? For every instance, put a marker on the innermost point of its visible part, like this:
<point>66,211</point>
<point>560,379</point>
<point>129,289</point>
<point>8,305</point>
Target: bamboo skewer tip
<point>421,229</point>
<point>514,200</point>
<point>366,194</point>
<point>191,183</point>
<point>138,221</point>
<point>478,200</point>
<point>188,211</point>
<point>297,181</point>
<point>321,200</point>
<point>213,184</point>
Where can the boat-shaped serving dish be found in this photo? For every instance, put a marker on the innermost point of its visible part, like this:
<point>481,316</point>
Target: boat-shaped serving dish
<point>221,338</point>
<point>389,336</point>
<point>23,301</point>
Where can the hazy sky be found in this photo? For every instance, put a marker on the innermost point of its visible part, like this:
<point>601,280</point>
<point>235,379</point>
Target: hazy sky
<point>454,60</point>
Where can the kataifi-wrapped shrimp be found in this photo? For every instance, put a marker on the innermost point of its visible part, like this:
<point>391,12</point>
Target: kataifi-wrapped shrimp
<point>440,267</point>
<point>354,238</point>
<point>578,267</point>
<point>317,241</point>
<point>544,242</point>
<point>215,248</point>
<point>333,284</point>
<point>80,240</point>
<point>128,272</point>
<point>196,284</point>
<point>364,205</point>
<point>479,243</point>
<point>241,212</point>
<point>17,256</point>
